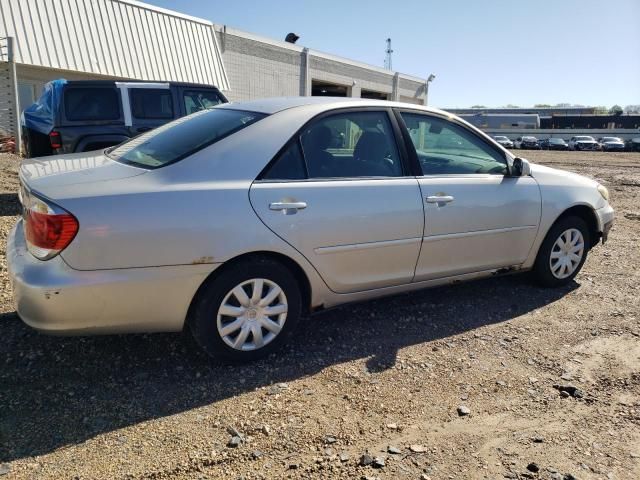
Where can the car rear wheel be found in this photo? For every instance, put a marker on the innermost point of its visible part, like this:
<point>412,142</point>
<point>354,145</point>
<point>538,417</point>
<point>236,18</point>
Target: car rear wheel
<point>563,252</point>
<point>246,312</point>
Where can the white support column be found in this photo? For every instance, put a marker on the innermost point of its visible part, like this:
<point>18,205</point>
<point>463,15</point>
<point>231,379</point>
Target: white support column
<point>395,89</point>
<point>356,90</point>
<point>305,78</point>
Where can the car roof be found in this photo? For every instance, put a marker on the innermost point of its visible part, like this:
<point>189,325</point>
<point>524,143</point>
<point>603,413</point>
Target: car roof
<point>102,83</point>
<point>277,104</point>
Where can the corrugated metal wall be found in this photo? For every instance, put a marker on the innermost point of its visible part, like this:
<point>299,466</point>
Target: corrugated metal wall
<point>120,38</point>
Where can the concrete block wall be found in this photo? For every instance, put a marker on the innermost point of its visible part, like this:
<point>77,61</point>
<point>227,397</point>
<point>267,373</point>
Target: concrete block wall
<point>259,68</point>
<point>410,90</point>
<point>329,70</point>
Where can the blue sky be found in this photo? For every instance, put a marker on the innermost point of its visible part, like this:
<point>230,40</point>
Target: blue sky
<point>491,52</point>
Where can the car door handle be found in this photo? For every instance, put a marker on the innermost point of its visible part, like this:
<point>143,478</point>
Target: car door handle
<point>439,199</point>
<point>288,206</point>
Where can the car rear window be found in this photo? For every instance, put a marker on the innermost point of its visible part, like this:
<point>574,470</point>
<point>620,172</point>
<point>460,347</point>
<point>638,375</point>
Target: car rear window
<point>176,140</point>
<point>91,103</point>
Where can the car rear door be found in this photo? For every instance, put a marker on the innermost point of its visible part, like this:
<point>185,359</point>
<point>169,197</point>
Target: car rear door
<point>477,216</point>
<point>340,193</point>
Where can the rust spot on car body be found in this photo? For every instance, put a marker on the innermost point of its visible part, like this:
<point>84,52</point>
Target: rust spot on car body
<point>201,260</point>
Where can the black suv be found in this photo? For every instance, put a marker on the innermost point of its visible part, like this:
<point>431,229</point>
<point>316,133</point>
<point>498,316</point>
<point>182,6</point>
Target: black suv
<point>85,115</point>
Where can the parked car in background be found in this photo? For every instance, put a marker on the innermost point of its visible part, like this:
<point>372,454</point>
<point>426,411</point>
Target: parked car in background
<point>80,116</point>
<point>583,142</point>
<point>632,145</point>
<point>554,143</point>
<point>235,222</point>
<point>611,144</point>
<point>504,141</point>
<point>527,142</point>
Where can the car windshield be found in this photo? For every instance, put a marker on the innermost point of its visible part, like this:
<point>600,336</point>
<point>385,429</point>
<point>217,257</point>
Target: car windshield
<point>501,138</point>
<point>611,139</point>
<point>529,139</point>
<point>585,139</point>
<point>556,140</point>
<point>183,137</point>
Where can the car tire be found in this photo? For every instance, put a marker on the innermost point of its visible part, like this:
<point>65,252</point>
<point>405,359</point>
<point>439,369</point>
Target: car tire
<point>549,269</point>
<point>231,328</point>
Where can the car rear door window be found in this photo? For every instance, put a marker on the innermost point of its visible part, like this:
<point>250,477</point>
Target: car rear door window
<point>151,103</point>
<point>351,144</point>
<point>445,148</point>
<point>91,103</point>
<point>196,100</point>
<point>289,165</point>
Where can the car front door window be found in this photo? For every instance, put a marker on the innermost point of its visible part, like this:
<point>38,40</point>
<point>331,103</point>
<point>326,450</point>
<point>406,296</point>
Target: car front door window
<point>196,100</point>
<point>444,148</point>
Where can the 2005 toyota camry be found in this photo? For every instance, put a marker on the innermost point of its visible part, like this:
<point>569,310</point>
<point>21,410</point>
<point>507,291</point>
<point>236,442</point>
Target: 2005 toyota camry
<point>237,221</point>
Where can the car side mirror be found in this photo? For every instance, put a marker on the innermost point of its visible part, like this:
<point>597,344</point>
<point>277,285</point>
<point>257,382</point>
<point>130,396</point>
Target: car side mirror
<point>521,167</point>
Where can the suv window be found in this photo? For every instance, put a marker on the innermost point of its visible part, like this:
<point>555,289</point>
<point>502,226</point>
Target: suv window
<point>182,137</point>
<point>351,144</point>
<point>91,103</point>
<point>196,100</point>
<point>446,148</point>
<point>151,103</point>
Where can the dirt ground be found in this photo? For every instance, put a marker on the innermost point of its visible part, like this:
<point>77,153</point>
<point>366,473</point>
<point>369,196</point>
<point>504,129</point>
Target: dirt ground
<point>364,391</point>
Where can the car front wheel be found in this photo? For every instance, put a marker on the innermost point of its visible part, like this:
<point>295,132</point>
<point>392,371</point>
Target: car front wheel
<point>563,252</point>
<point>246,312</point>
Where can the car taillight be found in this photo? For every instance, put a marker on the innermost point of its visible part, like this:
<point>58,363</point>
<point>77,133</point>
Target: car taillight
<point>48,229</point>
<point>55,139</point>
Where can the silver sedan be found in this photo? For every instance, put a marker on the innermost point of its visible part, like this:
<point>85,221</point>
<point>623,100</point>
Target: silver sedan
<point>236,222</point>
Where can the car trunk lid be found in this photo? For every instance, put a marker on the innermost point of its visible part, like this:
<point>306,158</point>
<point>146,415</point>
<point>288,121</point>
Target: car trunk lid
<point>52,175</point>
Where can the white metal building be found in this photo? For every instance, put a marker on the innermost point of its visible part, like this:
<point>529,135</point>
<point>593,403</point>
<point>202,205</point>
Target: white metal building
<point>41,40</point>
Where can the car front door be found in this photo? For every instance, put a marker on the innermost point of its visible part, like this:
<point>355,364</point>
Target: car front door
<point>340,193</point>
<point>477,216</point>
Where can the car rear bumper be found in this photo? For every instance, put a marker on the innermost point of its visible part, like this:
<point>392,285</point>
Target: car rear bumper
<point>52,297</point>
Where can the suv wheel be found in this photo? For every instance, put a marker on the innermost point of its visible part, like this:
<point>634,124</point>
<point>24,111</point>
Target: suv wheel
<point>563,252</point>
<point>246,312</point>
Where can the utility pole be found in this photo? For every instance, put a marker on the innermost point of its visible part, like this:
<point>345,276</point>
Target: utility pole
<point>387,60</point>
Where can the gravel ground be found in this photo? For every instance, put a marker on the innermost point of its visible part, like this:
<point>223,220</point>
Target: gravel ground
<point>450,383</point>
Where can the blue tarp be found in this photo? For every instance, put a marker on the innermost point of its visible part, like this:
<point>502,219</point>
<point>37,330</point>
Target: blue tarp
<point>41,115</point>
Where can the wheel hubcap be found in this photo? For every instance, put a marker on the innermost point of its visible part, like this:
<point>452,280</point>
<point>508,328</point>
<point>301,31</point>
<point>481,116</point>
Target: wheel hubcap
<point>566,253</point>
<point>252,314</point>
